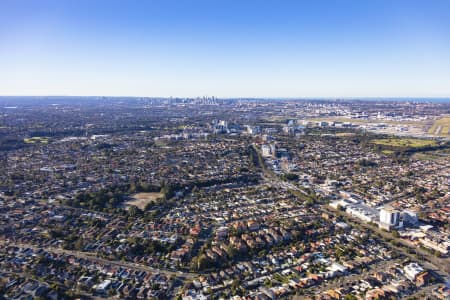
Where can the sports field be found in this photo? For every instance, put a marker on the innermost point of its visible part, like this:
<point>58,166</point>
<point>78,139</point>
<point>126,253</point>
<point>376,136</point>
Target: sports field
<point>405,142</point>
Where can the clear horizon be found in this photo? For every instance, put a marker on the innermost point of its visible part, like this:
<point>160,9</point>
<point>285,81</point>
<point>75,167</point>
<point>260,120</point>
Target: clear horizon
<point>227,49</point>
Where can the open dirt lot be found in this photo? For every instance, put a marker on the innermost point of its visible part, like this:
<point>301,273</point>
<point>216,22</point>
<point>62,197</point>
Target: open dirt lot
<point>141,199</point>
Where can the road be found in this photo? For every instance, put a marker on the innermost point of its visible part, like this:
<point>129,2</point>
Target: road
<point>93,257</point>
<point>30,277</point>
<point>347,279</point>
<point>422,292</point>
<point>440,265</point>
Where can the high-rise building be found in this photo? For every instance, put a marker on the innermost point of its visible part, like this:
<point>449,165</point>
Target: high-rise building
<point>389,217</point>
<point>266,151</point>
<point>273,150</point>
<point>253,130</point>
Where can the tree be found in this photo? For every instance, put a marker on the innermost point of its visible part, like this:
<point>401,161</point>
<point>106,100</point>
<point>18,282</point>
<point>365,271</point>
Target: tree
<point>231,251</point>
<point>78,245</point>
<point>235,286</point>
<point>202,262</point>
<point>134,211</point>
<point>290,177</point>
<point>168,191</point>
<point>149,206</point>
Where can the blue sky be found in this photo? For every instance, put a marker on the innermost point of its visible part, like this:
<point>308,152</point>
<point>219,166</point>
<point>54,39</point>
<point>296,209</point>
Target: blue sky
<point>225,48</point>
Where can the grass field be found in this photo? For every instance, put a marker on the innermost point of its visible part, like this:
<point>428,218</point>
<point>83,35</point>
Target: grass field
<point>141,199</point>
<point>405,143</point>
<point>36,139</point>
<point>345,134</point>
<point>441,127</point>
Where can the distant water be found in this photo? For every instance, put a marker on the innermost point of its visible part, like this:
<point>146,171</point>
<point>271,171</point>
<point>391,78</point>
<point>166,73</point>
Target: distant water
<point>421,100</point>
<point>403,99</point>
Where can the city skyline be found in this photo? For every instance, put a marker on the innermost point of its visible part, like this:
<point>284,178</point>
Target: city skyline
<point>326,49</point>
